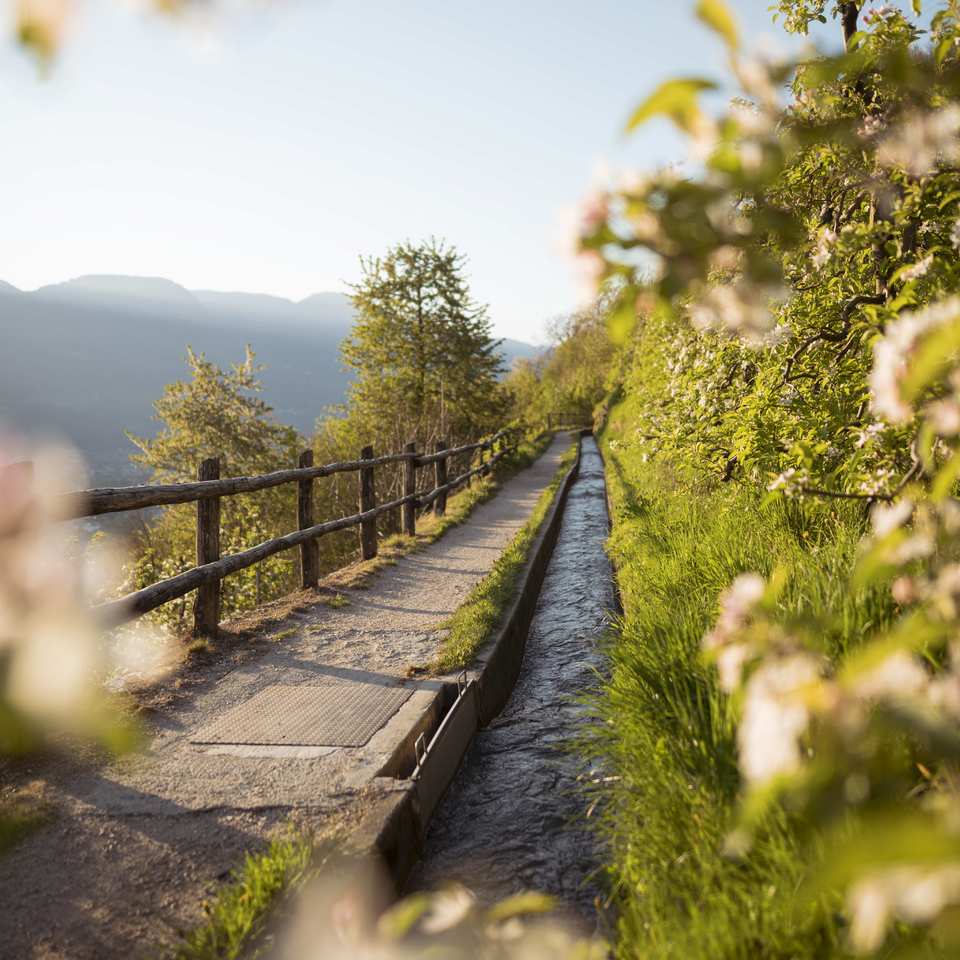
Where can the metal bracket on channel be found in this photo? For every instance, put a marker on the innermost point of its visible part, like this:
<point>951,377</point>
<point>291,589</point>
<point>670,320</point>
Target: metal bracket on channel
<point>420,749</point>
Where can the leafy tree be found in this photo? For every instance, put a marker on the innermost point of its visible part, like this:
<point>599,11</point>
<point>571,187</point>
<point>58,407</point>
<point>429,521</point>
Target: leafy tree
<point>426,364</point>
<point>426,367</point>
<point>218,413</point>
<point>571,376</point>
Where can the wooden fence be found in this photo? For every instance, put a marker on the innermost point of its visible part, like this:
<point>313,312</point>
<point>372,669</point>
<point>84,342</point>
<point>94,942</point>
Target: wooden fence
<point>209,488</point>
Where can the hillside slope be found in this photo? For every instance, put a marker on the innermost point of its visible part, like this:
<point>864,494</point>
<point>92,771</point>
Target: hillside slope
<point>88,357</point>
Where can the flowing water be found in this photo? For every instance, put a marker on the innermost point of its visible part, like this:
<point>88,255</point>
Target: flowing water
<point>513,818</point>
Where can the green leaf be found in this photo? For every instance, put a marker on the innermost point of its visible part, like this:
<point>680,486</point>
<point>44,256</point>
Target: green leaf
<point>890,836</point>
<point>520,905</point>
<point>944,481</point>
<point>676,99</point>
<point>948,199</point>
<point>397,922</point>
<point>917,7</point>
<point>943,50</point>
<point>716,15</point>
<point>914,633</point>
<point>935,354</point>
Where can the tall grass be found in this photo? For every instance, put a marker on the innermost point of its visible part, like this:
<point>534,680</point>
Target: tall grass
<point>669,737</point>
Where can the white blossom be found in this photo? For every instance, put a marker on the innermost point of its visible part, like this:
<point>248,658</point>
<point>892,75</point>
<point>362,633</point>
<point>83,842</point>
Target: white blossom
<point>869,433</point>
<point>775,716</point>
<point>737,603</point>
<point>914,894</point>
<point>594,209</point>
<point>740,308</point>
<point>921,139</point>
<point>879,13</point>
<point>885,518</point>
<point>955,234</point>
<point>895,677</point>
<point>871,127</point>
<point>448,908</point>
<point>917,270</point>
<point>46,592</point>
<point>591,268</point>
<point>790,482</point>
<point>751,121</point>
<point>893,351</point>
<point>876,482</point>
<point>944,416</point>
<point>755,79</point>
<point>826,241</point>
<point>904,590</point>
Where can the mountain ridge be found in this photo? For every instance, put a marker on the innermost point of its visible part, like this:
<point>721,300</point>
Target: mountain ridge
<point>93,353</point>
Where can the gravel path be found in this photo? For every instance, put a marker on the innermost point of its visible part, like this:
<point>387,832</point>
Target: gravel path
<point>135,847</point>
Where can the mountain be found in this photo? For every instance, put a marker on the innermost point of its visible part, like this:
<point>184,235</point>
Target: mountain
<point>87,358</point>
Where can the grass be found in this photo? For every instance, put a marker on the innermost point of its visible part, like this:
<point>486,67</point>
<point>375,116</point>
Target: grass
<point>337,601</point>
<point>199,646</point>
<point>239,911</point>
<point>478,616</point>
<point>18,819</point>
<point>668,737</point>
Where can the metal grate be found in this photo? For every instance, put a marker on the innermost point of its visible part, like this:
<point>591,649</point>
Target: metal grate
<point>335,714</point>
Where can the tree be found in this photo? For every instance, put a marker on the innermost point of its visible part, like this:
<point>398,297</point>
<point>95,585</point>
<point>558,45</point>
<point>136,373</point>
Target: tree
<point>572,375</point>
<point>426,364</point>
<point>217,413</point>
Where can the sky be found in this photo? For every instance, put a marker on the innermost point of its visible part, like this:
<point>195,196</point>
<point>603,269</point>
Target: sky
<point>267,151</point>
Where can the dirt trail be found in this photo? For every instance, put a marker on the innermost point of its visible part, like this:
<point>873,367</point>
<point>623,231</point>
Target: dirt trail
<point>135,847</point>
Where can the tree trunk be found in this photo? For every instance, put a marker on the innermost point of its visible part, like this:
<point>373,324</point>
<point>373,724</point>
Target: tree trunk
<point>849,15</point>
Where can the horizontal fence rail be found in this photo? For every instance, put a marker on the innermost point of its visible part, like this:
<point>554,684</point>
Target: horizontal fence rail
<point>92,503</point>
<point>211,568</point>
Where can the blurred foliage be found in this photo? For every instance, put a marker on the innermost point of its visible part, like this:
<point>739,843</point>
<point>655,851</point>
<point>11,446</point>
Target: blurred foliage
<point>218,413</point>
<point>790,337</point>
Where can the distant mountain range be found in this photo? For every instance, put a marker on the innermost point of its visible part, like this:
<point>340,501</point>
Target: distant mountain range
<point>85,359</point>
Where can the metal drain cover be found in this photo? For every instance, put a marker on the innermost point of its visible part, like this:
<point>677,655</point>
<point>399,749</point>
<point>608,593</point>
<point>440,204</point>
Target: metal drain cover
<point>334,714</point>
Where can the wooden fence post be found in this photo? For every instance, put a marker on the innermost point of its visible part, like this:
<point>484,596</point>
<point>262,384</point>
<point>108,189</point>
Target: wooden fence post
<point>206,607</point>
<point>309,551</point>
<point>409,511</point>
<point>368,500</point>
<point>440,475</point>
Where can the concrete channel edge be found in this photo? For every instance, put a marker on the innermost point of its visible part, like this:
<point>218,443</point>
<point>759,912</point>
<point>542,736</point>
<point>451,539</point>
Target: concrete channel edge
<point>393,827</point>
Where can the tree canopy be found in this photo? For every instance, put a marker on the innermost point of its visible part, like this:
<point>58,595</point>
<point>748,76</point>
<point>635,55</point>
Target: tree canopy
<point>422,351</point>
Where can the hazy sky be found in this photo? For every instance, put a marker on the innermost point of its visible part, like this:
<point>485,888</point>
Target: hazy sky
<point>268,153</point>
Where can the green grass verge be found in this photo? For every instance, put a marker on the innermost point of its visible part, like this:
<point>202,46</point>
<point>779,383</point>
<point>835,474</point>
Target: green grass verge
<point>667,739</point>
<point>481,612</point>
<point>239,911</point>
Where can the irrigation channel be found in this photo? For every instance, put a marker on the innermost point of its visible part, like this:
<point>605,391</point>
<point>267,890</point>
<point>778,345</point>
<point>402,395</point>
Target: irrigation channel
<point>513,818</point>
